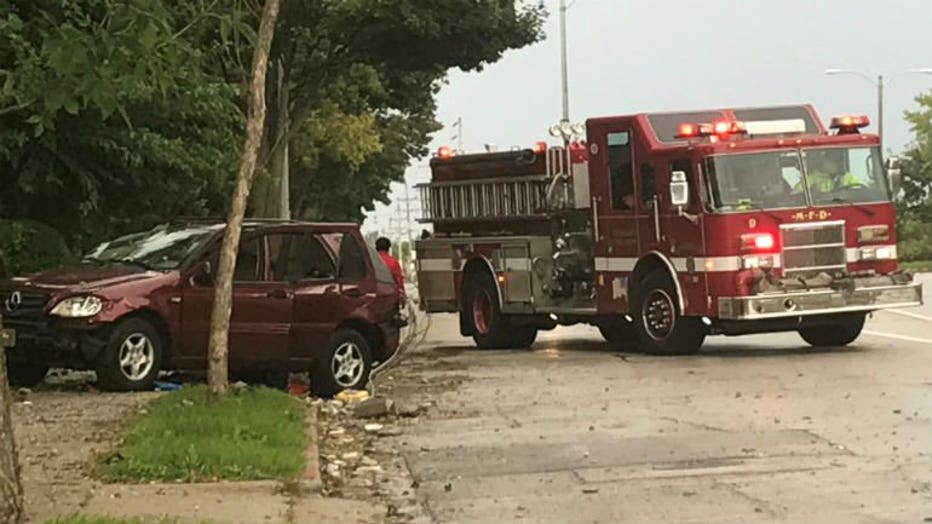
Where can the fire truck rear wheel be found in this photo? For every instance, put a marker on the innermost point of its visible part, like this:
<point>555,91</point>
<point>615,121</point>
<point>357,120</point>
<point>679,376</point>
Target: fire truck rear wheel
<point>490,328</point>
<point>661,328</point>
<point>840,333</point>
<point>521,337</point>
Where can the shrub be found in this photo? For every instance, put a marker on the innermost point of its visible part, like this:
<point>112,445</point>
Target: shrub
<point>27,246</point>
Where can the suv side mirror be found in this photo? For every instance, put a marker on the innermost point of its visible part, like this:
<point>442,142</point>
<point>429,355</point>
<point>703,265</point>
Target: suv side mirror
<point>679,189</point>
<point>895,175</point>
<point>204,276</point>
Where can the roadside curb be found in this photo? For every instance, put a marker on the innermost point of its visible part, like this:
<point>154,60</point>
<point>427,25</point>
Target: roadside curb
<point>310,482</point>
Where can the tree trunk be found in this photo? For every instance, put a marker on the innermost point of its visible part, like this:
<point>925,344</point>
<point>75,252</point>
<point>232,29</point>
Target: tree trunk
<point>218,365</point>
<point>11,489</point>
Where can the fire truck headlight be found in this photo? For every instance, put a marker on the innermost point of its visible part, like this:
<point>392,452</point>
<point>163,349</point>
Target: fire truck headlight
<point>876,233</point>
<point>764,262</point>
<point>877,253</point>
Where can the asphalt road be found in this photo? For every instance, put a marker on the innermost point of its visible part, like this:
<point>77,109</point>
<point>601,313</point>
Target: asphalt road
<point>752,429</point>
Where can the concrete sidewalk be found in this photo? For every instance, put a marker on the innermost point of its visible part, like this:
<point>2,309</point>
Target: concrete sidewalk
<point>263,502</point>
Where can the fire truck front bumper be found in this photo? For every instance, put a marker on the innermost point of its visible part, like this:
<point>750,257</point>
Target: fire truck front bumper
<point>846,296</point>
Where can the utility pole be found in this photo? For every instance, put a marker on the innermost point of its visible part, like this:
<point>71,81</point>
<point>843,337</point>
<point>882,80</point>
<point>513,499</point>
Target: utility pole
<point>459,133</point>
<point>404,215</point>
<point>565,74</point>
<point>284,207</point>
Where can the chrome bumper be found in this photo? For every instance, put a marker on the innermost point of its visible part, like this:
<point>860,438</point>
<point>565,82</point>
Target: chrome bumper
<point>819,302</point>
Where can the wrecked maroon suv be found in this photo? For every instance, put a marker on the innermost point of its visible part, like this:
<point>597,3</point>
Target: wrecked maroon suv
<point>306,298</point>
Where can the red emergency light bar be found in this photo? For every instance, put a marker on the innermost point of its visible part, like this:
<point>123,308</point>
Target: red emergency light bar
<point>720,128</point>
<point>849,124</point>
<point>444,152</point>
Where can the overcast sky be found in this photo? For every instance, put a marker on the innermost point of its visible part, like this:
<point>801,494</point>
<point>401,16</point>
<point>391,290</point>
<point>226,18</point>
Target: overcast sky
<point>630,56</point>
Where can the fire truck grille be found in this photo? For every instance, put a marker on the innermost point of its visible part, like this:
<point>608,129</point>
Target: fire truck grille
<point>812,248</point>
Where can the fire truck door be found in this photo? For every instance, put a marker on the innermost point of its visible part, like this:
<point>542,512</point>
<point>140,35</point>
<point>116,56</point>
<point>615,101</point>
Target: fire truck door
<point>614,207</point>
<point>681,232</point>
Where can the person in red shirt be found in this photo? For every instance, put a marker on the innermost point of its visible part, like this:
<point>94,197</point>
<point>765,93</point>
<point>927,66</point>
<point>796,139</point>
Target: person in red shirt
<point>383,246</point>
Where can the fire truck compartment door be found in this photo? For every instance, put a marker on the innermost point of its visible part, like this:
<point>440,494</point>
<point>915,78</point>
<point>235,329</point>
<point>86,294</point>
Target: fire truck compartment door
<point>514,265</point>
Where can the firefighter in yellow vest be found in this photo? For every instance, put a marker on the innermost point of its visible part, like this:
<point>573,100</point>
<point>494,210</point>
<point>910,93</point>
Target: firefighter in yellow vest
<point>826,174</point>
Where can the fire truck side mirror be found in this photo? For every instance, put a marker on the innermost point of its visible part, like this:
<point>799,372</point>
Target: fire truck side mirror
<point>895,175</point>
<point>679,189</point>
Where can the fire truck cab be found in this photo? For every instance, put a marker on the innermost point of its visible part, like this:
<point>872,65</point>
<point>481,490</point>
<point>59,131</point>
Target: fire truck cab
<point>663,228</point>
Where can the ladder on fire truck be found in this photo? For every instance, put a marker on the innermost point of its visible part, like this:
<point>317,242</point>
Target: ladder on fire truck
<point>526,196</point>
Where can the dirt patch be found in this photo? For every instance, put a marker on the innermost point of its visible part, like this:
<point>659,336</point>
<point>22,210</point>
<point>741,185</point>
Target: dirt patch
<point>59,431</point>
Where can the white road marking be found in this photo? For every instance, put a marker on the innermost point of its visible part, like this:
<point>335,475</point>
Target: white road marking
<point>909,314</point>
<point>897,337</point>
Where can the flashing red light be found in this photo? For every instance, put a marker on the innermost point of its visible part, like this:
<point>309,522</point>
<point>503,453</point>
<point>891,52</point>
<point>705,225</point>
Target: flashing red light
<point>687,130</point>
<point>540,147</point>
<point>764,241</point>
<point>757,242</point>
<point>725,127</point>
<point>849,122</point>
<point>444,152</point>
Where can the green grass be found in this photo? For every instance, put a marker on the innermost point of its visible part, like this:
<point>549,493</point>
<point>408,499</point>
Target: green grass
<point>917,265</point>
<point>248,435</point>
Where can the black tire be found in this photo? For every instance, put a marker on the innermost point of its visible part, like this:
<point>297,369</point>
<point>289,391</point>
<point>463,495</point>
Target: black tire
<point>25,374</point>
<point>660,326</point>
<point>333,373</point>
<point>132,358</point>
<point>842,332</point>
<point>521,337</point>
<point>489,328</point>
<point>619,334</point>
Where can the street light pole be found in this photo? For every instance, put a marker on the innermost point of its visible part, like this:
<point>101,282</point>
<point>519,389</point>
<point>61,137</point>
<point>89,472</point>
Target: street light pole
<point>878,84</point>
<point>565,75</point>
<point>880,110</point>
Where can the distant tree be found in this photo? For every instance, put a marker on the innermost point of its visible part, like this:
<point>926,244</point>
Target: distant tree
<point>915,203</point>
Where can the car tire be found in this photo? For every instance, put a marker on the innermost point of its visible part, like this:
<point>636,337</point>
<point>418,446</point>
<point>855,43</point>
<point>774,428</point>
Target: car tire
<point>25,374</point>
<point>661,328</point>
<point>345,365</point>
<point>842,332</point>
<point>132,357</point>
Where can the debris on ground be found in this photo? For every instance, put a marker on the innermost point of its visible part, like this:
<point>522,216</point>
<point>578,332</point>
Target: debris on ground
<point>352,396</point>
<point>374,407</point>
<point>22,394</point>
<point>373,428</point>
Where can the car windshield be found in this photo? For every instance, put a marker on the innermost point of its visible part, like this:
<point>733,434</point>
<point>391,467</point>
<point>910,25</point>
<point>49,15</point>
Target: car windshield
<point>774,179</point>
<point>852,174</point>
<point>163,248</point>
<point>752,180</point>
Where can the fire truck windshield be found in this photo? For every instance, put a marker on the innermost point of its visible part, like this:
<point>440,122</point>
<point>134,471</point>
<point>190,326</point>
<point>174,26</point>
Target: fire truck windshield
<point>752,180</point>
<point>853,174</point>
<point>780,179</point>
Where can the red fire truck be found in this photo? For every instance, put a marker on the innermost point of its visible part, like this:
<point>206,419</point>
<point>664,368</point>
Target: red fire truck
<point>663,228</point>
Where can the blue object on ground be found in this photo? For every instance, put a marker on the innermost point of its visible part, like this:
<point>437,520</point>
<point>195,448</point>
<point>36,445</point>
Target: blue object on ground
<point>167,386</point>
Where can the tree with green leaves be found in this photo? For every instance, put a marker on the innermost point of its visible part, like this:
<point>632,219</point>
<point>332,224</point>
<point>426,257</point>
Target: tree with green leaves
<point>352,87</point>
<point>915,203</point>
<point>110,119</point>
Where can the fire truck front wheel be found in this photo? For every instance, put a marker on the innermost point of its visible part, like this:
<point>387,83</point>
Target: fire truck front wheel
<point>841,332</point>
<point>661,328</point>
<point>490,328</point>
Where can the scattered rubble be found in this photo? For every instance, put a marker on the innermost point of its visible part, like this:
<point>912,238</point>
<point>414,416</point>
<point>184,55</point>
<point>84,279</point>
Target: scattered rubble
<point>374,407</point>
